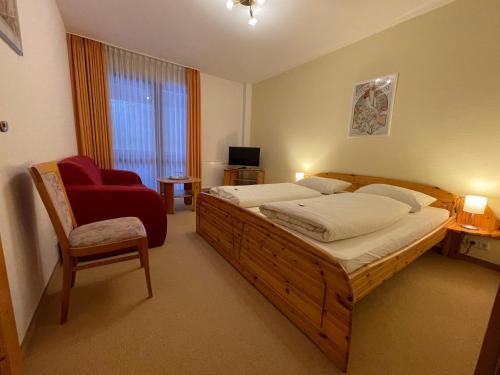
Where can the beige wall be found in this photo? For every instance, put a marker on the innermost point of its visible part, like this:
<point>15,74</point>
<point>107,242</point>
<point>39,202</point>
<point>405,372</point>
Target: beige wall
<point>223,119</point>
<point>35,97</point>
<point>446,119</point>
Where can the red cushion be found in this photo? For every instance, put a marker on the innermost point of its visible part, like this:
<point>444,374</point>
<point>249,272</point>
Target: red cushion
<point>80,170</point>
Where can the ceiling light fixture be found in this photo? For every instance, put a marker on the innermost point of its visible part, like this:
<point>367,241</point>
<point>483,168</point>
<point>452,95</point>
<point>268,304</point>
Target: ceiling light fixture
<point>248,3</point>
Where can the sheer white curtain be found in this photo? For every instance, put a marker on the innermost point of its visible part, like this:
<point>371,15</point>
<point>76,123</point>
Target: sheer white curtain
<point>148,114</point>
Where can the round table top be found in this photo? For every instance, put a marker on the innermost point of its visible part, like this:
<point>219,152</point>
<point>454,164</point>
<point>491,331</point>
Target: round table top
<point>167,180</point>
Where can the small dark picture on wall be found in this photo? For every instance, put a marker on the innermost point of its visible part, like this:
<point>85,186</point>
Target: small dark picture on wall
<point>372,107</point>
<point>10,30</point>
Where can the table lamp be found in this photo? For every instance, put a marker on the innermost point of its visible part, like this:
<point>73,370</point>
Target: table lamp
<point>474,205</point>
<point>299,176</point>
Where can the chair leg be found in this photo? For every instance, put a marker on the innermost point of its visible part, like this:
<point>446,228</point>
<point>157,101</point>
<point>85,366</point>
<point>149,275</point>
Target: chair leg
<point>66,290</point>
<point>73,273</point>
<point>144,255</point>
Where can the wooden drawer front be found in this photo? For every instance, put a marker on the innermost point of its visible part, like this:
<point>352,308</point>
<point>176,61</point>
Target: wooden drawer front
<point>268,260</point>
<point>298,269</point>
<point>216,215</point>
<point>267,254</point>
<point>218,229</point>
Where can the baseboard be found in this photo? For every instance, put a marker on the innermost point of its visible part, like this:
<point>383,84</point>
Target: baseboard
<point>479,262</point>
<point>29,331</point>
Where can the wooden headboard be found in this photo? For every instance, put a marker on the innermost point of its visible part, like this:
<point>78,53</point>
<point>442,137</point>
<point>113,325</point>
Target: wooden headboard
<point>445,199</point>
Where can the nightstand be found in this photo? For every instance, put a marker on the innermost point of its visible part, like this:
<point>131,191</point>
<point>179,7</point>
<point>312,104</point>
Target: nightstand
<point>455,238</point>
<point>456,234</point>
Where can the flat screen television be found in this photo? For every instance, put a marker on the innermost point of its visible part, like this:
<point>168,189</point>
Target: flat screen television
<point>244,156</point>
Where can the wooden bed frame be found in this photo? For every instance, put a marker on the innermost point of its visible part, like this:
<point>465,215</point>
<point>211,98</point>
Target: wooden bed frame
<point>304,283</point>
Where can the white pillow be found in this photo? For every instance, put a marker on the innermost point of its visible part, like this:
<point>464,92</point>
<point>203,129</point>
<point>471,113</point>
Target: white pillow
<point>415,199</point>
<point>324,185</point>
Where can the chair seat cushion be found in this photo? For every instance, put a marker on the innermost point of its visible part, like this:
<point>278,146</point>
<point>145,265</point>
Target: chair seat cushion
<point>107,231</point>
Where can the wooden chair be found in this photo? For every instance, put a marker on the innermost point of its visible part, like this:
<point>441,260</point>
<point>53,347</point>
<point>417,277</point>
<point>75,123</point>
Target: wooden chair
<point>95,240</point>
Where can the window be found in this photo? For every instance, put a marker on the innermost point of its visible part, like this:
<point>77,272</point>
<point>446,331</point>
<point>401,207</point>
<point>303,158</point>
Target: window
<point>148,115</point>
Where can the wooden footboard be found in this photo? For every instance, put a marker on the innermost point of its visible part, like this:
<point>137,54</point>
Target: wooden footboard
<point>304,283</point>
<point>312,290</point>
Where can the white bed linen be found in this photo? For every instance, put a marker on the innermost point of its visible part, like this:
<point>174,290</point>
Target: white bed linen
<point>255,195</point>
<point>336,217</point>
<point>353,253</point>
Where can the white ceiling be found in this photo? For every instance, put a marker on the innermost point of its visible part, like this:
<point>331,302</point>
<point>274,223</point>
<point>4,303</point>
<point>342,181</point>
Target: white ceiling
<point>203,34</point>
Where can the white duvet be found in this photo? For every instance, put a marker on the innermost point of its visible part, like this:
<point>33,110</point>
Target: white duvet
<point>336,217</point>
<point>255,195</point>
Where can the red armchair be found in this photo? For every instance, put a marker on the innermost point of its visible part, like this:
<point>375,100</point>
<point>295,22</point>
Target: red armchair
<point>99,194</point>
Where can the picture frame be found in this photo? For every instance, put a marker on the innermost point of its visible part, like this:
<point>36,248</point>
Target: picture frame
<point>10,29</point>
<point>372,106</point>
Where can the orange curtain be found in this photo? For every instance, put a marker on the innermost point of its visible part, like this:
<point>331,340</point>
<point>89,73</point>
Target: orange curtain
<point>90,99</point>
<point>194,124</point>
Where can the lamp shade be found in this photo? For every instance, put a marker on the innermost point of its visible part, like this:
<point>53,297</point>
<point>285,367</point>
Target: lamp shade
<point>475,204</point>
<point>299,176</point>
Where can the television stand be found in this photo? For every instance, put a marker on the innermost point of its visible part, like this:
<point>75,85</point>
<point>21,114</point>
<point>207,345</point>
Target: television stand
<point>243,176</point>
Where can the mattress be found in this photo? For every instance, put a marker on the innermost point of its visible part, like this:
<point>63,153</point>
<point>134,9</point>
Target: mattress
<point>353,253</point>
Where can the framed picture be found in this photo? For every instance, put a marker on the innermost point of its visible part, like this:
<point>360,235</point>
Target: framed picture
<point>372,104</point>
<point>10,31</point>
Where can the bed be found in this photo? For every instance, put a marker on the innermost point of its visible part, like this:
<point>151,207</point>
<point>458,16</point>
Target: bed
<point>314,286</point>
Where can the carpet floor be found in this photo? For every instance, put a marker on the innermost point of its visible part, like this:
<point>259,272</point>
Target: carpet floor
<point>205,318</point>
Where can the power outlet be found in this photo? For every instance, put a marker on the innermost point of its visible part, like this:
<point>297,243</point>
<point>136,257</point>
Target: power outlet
<point>477,244</point>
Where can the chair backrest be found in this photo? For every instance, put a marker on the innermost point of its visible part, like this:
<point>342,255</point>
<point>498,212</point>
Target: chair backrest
<point>51,189</point>
<point>80,170</point>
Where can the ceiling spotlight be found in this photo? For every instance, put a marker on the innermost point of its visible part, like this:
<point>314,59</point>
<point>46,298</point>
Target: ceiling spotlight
<point>261,2</point>
<point>253,21</point>
<point>229,4</point>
